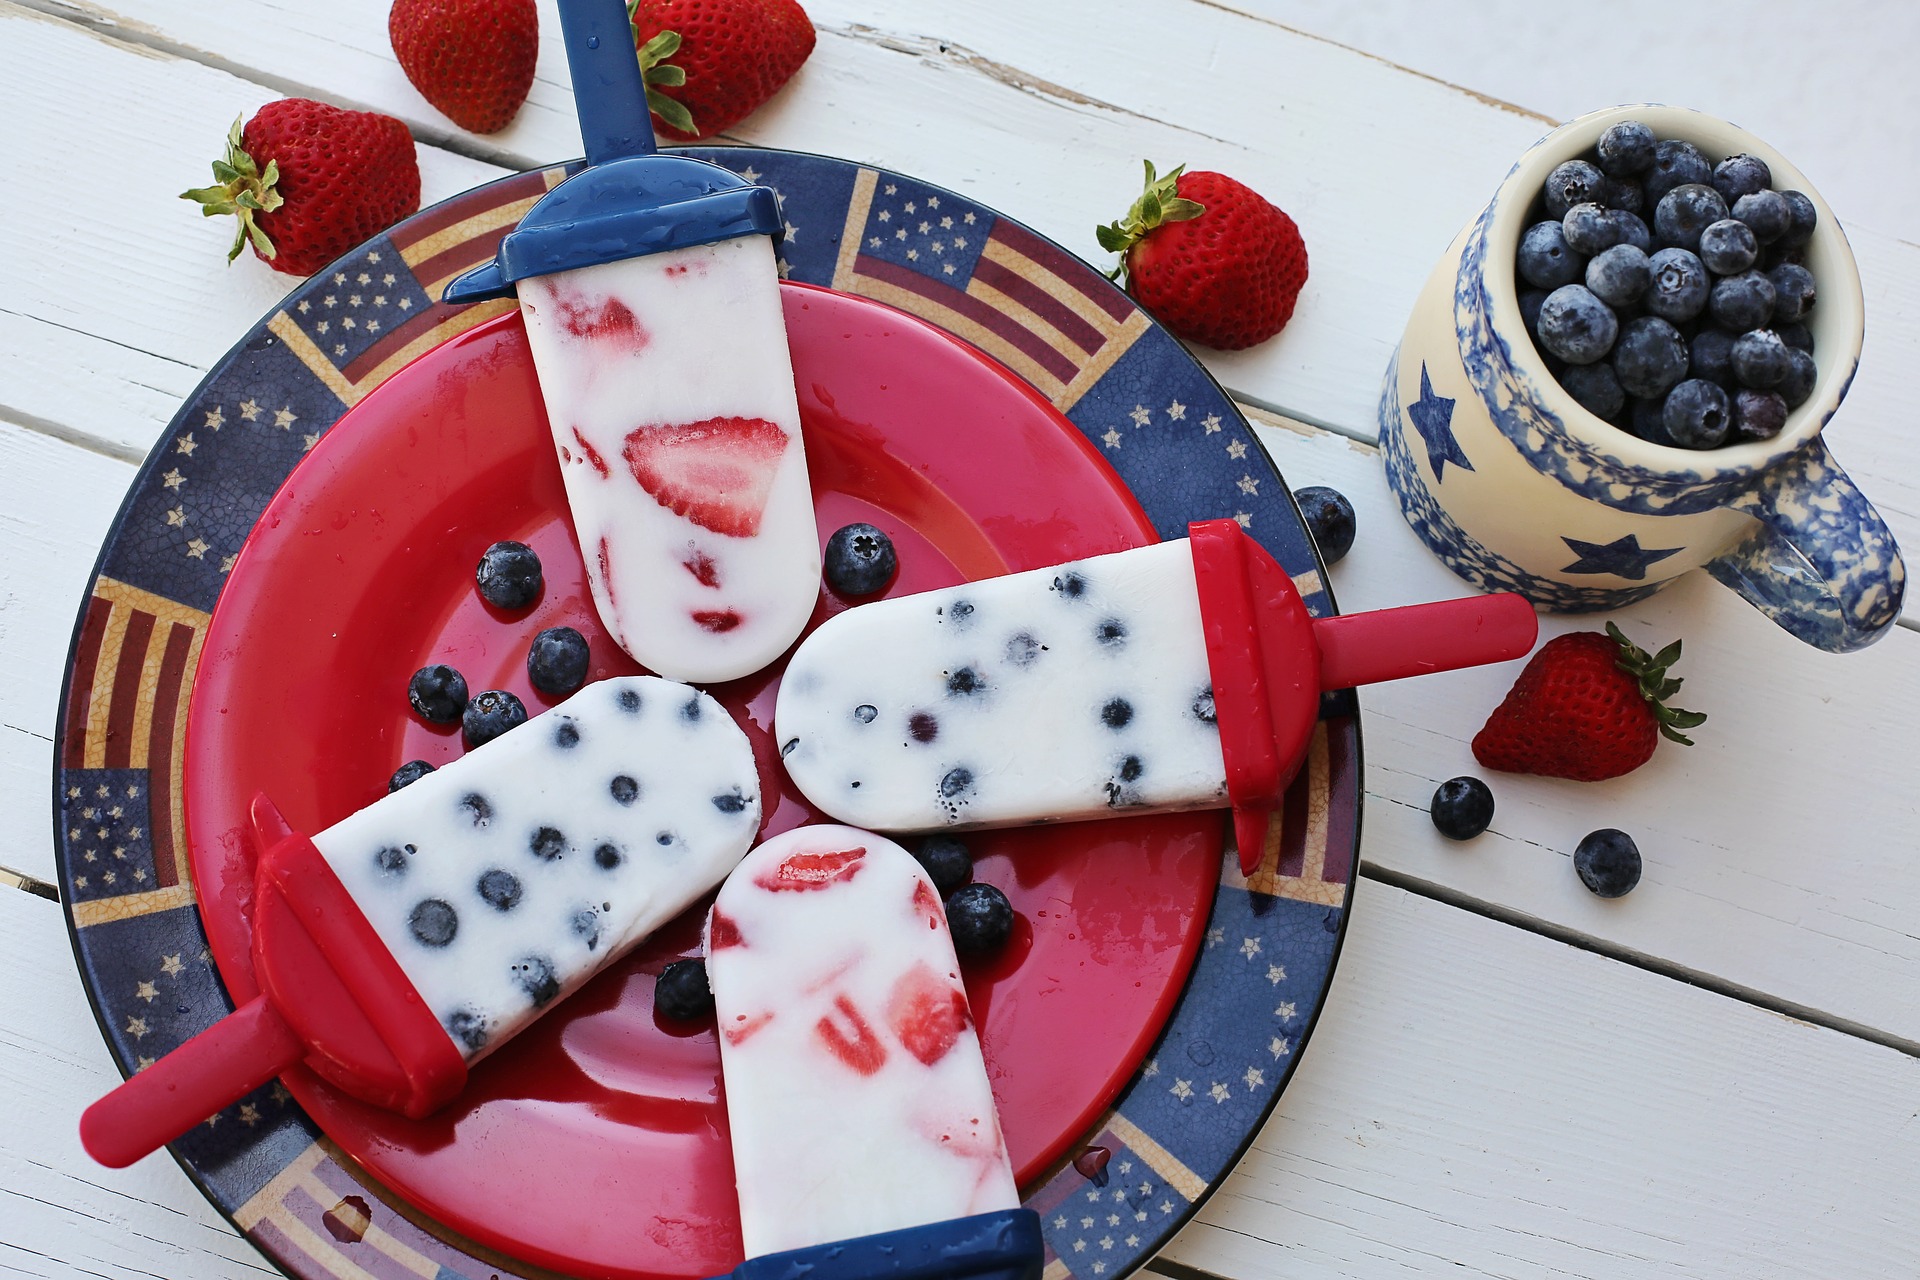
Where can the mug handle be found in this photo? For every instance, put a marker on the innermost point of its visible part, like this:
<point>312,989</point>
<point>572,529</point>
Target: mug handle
<point>1822,563</point>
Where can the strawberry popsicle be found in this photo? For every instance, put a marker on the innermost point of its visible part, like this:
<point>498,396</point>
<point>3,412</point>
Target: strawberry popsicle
<point>651,298</point>
<point>1184,675</point>
<point>856,1092</point>
<point>414,937</point>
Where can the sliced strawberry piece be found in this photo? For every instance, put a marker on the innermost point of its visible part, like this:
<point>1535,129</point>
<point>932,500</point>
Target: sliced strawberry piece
<point>701,566</point>
<point>805,871</point>
<point>861,1049</point>
<point>927,902</point>
<point>716,472</point>
<point>718,621</point>
<point>927,1012</point>
<point>745,1026</point>
<point>591,454</point>
<point>607,318</point>
<point>722,932</point>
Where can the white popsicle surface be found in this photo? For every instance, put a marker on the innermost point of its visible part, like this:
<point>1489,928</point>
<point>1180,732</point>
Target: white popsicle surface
<point>856,1091</point>
<point>669,389</point>
<point>1061,693</point>
<point>510,876</point>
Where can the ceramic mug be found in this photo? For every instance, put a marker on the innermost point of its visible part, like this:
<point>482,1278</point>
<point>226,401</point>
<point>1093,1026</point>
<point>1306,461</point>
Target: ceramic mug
<point>1518,488</point>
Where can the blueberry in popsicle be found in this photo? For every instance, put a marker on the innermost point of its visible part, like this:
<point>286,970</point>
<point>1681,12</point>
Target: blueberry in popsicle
<point>411,939</point>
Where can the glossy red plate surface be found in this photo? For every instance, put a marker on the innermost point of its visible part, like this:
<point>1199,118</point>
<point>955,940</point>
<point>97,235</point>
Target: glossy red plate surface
<point>596,1143</point>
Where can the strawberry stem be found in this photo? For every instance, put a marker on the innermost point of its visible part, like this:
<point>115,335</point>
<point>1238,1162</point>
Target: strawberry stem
<point>652,54</point>
<point>1656,686</point>
<point>244,189</point>
<point>1159,204</point>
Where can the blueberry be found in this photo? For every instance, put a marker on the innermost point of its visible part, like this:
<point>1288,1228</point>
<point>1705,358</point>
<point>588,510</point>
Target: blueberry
<point>1684,212</point>
<point>965,681</point>
<point>1576,326</point>
<point>865,713</point>
<point>1802,217</point>
<point>433,922</point>
<point>980,919</point>
<point>1461,808</point>
<point>1530,303</point>
<point>547,843</point>
<point>1627,149</point>
<point>1203,708</point>
<point>859,560</point>
<point>1797,336</point>
<point>1741,175</point>
<point>1620,275</point>
<point>392,861</point>
<point>1645,419</point>
<point>624,789</point>
<point>1766,214</point>
<point>479,809</point>
<point>681,992</point>
<point>1596,387</point>
<point>1111,633</point>
<point>1574,182</point>
<point>1741,302</point>
<point>1071,585</point>
<point>492,714</point>
<point>1623,196</point>
<point>629,701</point>
<point>1117,713</point>
<point>557,660</point>
<point>946,862</point>
<point>1760,359</point>
<point>469,1028</point>
<point>1329,518</point>
<point>1546,261</point>
<point>1629,229</point>
<point>1023,650</point>
<point>607,857</point>
<point>1588,229</point>
<point>1728,247</point>
<point>1608,862</point>
<point>1793,292</point>
<point>508,575</point>
<point>1798,384</point>
<point>1758,415</point>
<point>1696,415</point>
<point>1680,285</point>
<point>499,889</point>
<point>566,734</point>
<point>408,774</point>
<point>438,693</point>
<point>1650,357</point>
<point>1711,356</point>
<point>585,925</point>
<point>534,975</point>
<point>957,782</point>
<point>731,802</point>
<point>1675,164</point>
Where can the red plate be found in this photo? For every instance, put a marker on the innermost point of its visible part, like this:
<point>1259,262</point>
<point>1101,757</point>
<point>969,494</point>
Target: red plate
<point>596,1143</point>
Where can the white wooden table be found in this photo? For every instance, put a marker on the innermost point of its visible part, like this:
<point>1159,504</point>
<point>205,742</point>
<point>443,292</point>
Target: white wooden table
<point>1714,1076</point>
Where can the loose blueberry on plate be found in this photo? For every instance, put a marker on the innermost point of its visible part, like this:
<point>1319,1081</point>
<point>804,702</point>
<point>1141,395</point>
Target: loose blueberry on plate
<point>859,560</point>
<point>438,693</point>
<point>491,714</point>
<point>508,575</point>
<point>946,861</point>
<point>408,774</point>
<point>1329,518</point>
<point>557,660</point>
<point>1461,808</point>
<point>681,992</point>
<point>980,919</point>
<point>1608,862</point>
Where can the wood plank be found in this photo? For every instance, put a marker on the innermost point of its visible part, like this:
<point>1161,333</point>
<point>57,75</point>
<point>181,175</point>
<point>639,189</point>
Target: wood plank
<point>1780,849</point>
<point>1045,115</point>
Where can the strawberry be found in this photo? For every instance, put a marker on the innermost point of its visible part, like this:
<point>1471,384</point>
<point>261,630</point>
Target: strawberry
<point>927,1012</point>
<point>804,872</point>
<point>1209,258</point>
<point>472,59</point>
<point>729,56</point>
<point>331,180</point>
<point>716,472</point>
<point>1588,706</point>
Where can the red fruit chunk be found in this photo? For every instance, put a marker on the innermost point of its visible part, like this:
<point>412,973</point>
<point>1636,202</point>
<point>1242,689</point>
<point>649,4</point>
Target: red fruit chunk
<point>703,569</point>
<point>718,621</point>
<point>472,59</point>
<point>928,1013</point>
<point>736,54</point>
<point>862,1049</point>
<point>592,454</point>
<point>722,932</point>
<point>927,903</point>
<point>807,871</point>
<point>610,318</point>
<point>716,472</point>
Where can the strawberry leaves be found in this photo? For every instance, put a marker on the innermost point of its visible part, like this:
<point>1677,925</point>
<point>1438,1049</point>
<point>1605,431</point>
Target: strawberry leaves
<point>653,54</point>
<point>245,189</point>
<point>1656,686</point>
<point>1159,204</point>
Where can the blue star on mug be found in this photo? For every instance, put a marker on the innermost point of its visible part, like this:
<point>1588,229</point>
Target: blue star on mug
<point>1432,417</point>
<point>1623,557</point>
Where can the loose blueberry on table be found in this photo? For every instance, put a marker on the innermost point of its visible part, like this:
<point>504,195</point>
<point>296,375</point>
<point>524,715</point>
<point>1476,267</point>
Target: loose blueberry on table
<point>557,660</point>
<point>681,992</point>
<point>980,919</point>
<point>508,575</point>
<point>1608,862</point>
<point>1461,808</point>
<point>946,861</point>
<point>859,560</point>
<point>1329,518</point>
<point>1643,326</point>
<point>491,714</point>
<point>438,694</point>
<point>408,774</point>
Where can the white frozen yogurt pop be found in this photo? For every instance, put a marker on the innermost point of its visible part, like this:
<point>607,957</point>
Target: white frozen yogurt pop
<point>507,878</point>
<point>856,1092</point>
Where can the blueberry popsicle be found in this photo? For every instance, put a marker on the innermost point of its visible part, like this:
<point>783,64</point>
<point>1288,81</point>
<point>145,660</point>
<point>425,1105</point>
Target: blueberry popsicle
<point>856,1092</point>
<point>651,299</point>
<point>412,938</point>
<point>1183,675</point>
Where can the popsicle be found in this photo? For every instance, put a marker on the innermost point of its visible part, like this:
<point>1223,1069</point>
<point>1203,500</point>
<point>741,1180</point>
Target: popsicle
<point>1183,675</point>
<point>651,299</point>
<point>862,1120</point>
<point>409,940</point>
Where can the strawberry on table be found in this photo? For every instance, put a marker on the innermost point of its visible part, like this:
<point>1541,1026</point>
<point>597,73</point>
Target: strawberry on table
<point>472,59</point>
<point>1588,706</point>
<point>310,181</point>
<point>728,57</point>
<point>1209,258</point>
